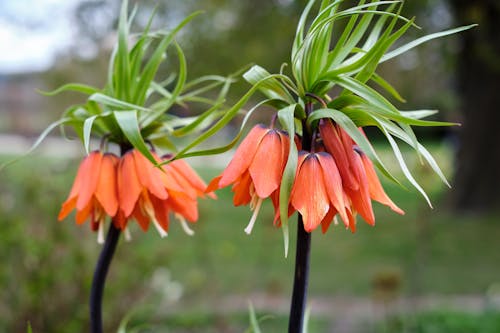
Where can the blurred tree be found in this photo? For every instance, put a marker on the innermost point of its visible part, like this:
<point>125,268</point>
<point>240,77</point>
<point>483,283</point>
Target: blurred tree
<point>477,180</point>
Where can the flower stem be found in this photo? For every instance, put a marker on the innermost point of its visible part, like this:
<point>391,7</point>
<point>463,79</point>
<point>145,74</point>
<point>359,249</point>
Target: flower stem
<point>101,270</point>
<point>302,254</point>
<point>299,296</point>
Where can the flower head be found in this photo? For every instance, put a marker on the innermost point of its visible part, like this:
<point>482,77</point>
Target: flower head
<point>256,168</point>
<point>360,181</point>
<point>132,187</point>
<point>317,193</point>
<point>148,193</point>
<point>94,191</point>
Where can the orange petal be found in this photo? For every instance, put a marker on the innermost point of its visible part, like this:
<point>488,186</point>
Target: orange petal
<point>161,212</point>
<point>183,205</point>
<point>79,180</point>
<point>309,195</point>
<point>327,220</point>
<point>213,185</point>
<point>185,171</point>
<point>106,192</point>
<point>243,156</point>
<point>177,182</point>
<point>266,167</point>
<point>361,198</point>
<point>90,178</point>
<point>129,187</point>
<point>66,208</point>
<point>149,176</point>
<point>241,189</point>
<point>333,184</point>
<point>83,214</point>
<point>335,147</point>
<point>140,218</point>
<point>377,192</point>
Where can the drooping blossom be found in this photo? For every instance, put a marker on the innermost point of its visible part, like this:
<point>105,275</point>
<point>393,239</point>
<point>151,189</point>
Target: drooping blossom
<point>131,187</point>
<point>149,194</point>
<point>94,191</point>
<point>360,181</point>
<point>317,192</point>
<point>256,170</point>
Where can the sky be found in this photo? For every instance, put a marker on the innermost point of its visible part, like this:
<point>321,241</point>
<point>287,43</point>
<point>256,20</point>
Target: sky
<point>32,32</point>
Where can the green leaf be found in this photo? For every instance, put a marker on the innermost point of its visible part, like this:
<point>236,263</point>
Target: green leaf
<point>177,90</point>
<point>403,165</point>
<point>272,88</point>
<point>115,103</point>
<point>153,64</point>
<point>396,131</point>
<point>38,141</point>
<point>387,87</point>
<point>87,129</point>
<point>421,40</point>
<point>226,118</point>
<point>77,87</point>
<point>286,118</point>
<point>129,124</point>
<point>222,149</point>
<point>254,323</point>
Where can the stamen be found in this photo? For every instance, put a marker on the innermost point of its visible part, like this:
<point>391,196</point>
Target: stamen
<point>250,225</point>
<point>148,209</point>
<point>100,232</point>
<point>126,233</point>
<point>184,225</point>
<point>158,227</point>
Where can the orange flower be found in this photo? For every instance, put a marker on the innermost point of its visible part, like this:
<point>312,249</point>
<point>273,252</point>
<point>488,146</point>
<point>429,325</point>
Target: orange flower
<point>94,191</point>
<point>360,181</point>
<point>317,192</point>
<point>256,169</point>
<point>149,194</point>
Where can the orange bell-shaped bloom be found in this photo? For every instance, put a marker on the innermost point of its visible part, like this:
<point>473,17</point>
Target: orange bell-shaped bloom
<point>317,193</point>
<point>94,191</point>
<point>149,194</point>
<point>360,181</point>
<point>256,170</point>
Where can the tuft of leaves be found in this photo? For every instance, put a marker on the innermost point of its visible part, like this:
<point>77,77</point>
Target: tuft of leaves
<point>134,107</point>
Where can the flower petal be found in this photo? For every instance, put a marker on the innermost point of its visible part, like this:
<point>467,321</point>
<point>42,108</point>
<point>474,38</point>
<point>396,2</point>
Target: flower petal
<point>90,178</point>
<point>335,146</point>
<point>333,184</point>
<point>266,168</point>
<point>149,176</point>
<point>106,192</point>
<point>361,198</point>
<point>377,192</point>
<point>309,195</point>
<point>243,156</point>
<point>129,187</point>
<point>241,189</point>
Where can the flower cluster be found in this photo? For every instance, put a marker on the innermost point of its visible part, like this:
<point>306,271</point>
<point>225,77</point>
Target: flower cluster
<point>335,177</point>
<point>132,187</point>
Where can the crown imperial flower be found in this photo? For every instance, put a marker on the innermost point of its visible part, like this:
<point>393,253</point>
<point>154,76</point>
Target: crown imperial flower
<point>256,169</point>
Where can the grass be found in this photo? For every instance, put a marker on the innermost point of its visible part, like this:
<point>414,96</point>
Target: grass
<point>48,265</point>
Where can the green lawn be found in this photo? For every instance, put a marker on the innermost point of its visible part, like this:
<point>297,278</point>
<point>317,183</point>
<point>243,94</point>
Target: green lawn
<point>47,266</point>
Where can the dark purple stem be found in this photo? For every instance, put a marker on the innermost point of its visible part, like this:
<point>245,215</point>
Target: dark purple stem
<point>101,270</point>
<point>302,255</point>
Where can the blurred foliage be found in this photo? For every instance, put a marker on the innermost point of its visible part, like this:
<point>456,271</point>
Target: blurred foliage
<point>443,322</point>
